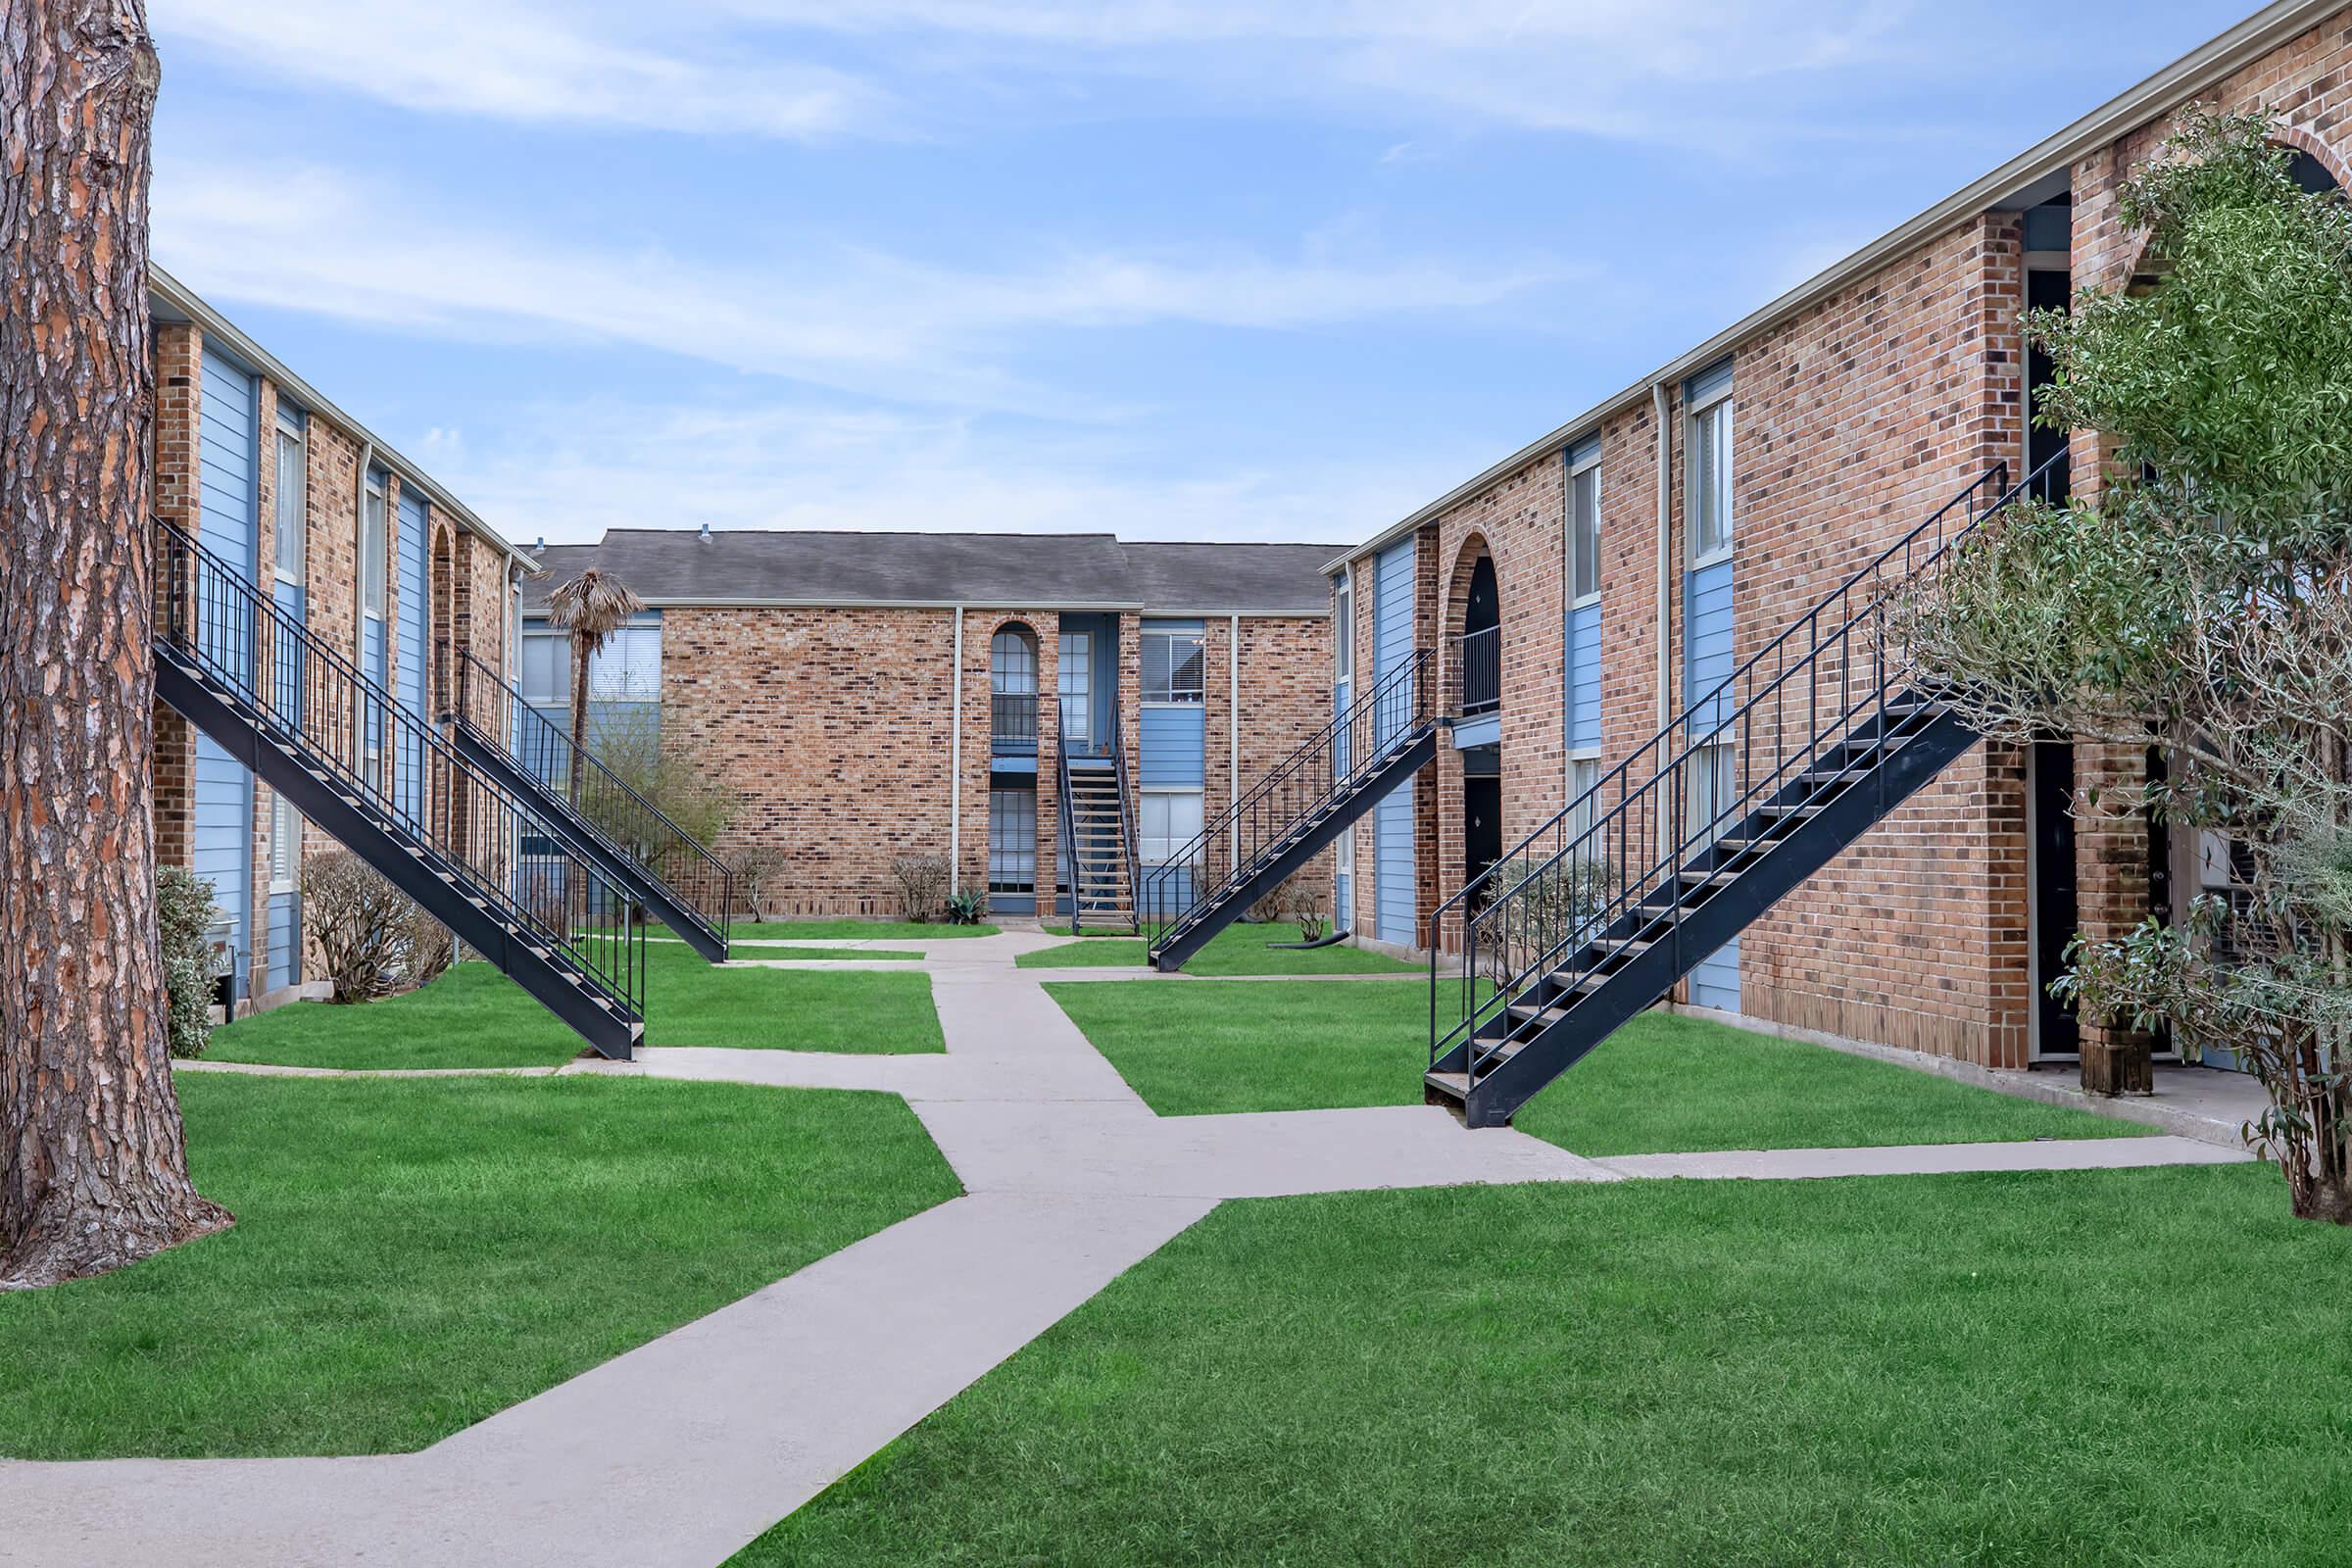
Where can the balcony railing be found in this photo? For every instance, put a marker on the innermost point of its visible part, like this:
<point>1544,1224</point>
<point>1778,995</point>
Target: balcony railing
<point>1474,670</point>
<point>1013,721</point>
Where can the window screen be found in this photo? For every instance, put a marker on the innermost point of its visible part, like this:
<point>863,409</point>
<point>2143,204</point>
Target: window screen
<point>546,669</point>
<point>629,667</point>
<point>291,491</point>
<point>1011,841</point>
<point>1175,666</point>
<point>1711,481</point>
<point>1168,821</point>
<point>1584,541</point>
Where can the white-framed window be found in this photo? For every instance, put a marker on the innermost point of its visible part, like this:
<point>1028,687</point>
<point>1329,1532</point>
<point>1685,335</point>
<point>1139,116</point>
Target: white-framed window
<point>1713,792</point>
<point>285,844</point>
<point>1075,674</point>
<point>1011,841</point>
<point>1343,628</point>
<point>546,666</point>
<point>1344,859</point>
<point>371,550</point>
<point>1709,481</point>
<point>292,510</point>
<point>1584,772</point>
<point>1175,665</point>
<point>1167,822</point>
<point>629,667</point>
<point>1584,533</point>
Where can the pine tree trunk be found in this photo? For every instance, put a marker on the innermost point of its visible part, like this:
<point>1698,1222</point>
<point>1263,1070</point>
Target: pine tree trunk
<point>93,1171</point>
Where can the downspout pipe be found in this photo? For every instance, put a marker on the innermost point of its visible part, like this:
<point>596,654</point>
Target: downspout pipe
<point>955,766</point>
<point>1232,730</point>
<point>1662,402</point>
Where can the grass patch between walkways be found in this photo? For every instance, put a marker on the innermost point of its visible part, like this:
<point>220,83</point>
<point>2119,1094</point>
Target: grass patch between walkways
<point>1238,950</point>
<point>473,1017</point>
<point>1661,1083</point>
<point>411,1256</point>
<point>865,930</point>
<point>2036,1371</point>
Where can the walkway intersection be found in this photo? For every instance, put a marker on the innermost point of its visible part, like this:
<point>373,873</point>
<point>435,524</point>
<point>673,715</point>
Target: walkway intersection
<point>678,1453</point>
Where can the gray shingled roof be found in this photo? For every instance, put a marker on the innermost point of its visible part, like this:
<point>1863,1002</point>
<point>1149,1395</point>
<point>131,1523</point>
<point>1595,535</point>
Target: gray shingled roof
<point>1059,571</point>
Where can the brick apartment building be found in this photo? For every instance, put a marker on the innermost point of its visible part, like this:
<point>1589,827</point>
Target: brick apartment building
<point>871,695</point>
<point>350,542</point>
<point>1632,557</point>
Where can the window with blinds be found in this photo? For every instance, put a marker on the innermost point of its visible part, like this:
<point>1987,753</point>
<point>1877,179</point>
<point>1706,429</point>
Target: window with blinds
<point>1584,534</point>
<point>1710,498</point>
<point>1175,666</point>
<point>288,520</point>
<point>629,667</point>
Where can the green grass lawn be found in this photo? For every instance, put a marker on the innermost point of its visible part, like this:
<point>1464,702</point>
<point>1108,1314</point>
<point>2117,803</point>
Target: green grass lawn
<point>412,1256</point>
<point>473,1017</point>
<point>2042,1371</point>
<point>1237,949</point>
<point>1662,1082</point>
<point>869,930</point>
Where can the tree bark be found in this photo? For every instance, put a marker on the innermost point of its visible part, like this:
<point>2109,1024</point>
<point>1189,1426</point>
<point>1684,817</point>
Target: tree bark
<point>93,1169</point>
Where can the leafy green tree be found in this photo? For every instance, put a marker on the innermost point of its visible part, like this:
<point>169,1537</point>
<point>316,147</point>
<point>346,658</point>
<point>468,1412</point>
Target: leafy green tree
<point>2202,607</point>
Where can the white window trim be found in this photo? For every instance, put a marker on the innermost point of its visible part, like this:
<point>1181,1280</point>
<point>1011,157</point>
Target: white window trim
<point>1343,635</point>
<point>1592,466</point>
<point>284,819</point>
<point>381,494</point>
<point>1690,420</point>
<point>301,445</point>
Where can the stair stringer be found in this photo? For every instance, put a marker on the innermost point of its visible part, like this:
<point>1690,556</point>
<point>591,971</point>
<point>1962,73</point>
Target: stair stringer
<point>1681,945</point>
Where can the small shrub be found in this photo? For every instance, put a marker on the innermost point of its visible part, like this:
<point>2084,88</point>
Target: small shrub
<point>922,885</point>
<point>965,909</point>
<point>1302,900</point>
<point>185,909</point>
<point>757,869</point>
<point>426,949</point>
<point>1549,908</point>
<point>359,921</point>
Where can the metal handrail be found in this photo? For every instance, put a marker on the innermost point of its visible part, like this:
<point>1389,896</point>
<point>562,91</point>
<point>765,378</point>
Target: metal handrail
<point>1295,789</point>
<point>592,794</point>
<point>1647,835</point>
<point>491,843</point>
<point>1066,802</point>
<point>1473,671</point>
<point>1135,868</point>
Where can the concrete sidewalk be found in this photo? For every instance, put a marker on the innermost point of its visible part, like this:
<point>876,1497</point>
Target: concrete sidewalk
<point>679,1452</point>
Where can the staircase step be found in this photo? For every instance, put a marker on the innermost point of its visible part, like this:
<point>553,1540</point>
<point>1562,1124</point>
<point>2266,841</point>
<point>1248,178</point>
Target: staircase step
<point>1454,1084</point>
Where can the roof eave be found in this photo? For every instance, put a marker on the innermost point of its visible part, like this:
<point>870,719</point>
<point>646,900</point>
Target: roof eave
<point>2193,72</point>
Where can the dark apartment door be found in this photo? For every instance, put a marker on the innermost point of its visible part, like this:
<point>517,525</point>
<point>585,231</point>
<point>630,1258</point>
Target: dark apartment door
<point>2056,907</point>
<point>1482,823</point>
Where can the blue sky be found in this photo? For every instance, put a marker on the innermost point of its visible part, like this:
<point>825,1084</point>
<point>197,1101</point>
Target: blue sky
<point>1179,268</point>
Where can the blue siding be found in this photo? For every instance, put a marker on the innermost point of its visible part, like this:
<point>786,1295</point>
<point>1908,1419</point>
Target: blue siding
<point>1715,983</point>
<point>1393,817</point>
<point>1707,657</point>
<point>1708,607</point>
<point>411,654</point>
<point>226,495</point>
<point>286,939</point>
<point>1584,677</point>
<point>1174,748</point>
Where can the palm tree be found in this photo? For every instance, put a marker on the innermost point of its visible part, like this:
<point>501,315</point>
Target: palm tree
<point>592,607</point>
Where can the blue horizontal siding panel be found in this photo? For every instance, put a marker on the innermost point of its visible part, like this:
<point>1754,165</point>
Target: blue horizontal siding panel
<point>1715,983</point>
<point>409,686</point>
<point>226,495</point>
<point>1393,873</point>
<point>1709,620</point>
<point>286,939</point>
<point>1706,384</point>
<point>222,848</point>
<point>1584,677</point>
<point>1339,698</point>
<point>1175,742</point>
<point>229,414</point>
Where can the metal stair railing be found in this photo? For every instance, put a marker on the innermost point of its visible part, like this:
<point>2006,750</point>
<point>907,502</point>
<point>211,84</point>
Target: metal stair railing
<point>580,784</point>
<point>1127,839</point>
<point>1066,802</point>
<point>1339,758</point>
<point>1607,871</point>
<point>315,704</point>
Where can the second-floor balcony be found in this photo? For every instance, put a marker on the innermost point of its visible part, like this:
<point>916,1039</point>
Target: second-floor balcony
<point>1012,723</point>
<point>1477,672</point>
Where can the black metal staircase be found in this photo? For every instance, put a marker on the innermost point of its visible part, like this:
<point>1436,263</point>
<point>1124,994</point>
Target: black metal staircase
<point>1098,835</point>
<point>486,860</point>
<point>1303,803</point>
<point>602,817</point>
<point>1758,784</point>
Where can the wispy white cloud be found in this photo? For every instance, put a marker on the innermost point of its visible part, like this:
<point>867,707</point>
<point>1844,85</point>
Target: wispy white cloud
<point>310,239</point>
<point>523,61</point>
<point>569,473</point>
